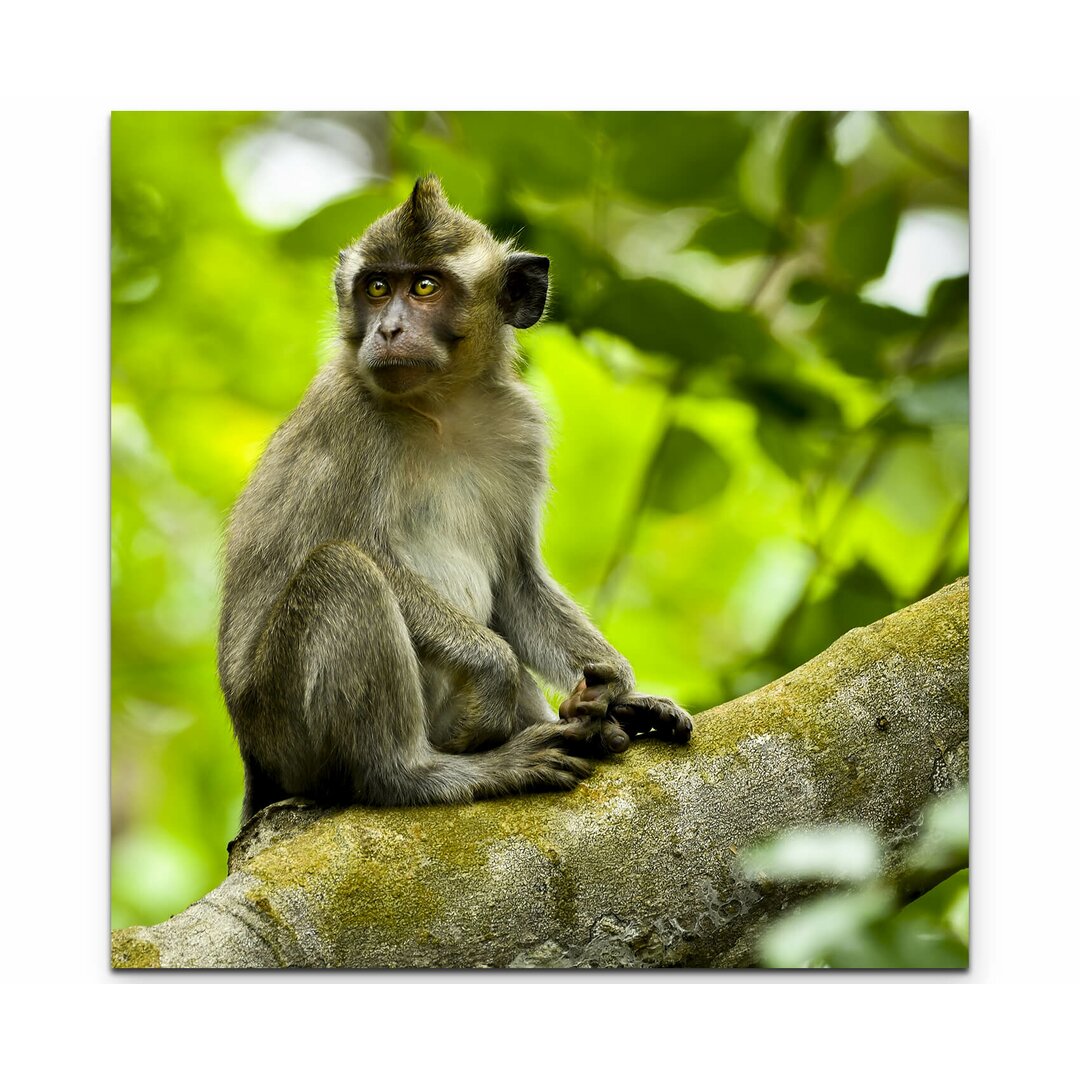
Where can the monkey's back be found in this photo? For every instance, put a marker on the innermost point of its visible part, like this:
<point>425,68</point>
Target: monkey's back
<point>311,485</point>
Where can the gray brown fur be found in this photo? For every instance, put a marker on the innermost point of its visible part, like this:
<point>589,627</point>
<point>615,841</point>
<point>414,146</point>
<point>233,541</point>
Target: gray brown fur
<point>385,600</point>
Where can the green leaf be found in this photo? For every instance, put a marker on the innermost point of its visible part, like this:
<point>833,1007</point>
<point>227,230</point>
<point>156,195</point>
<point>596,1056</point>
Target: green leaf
<point>798,451</point>
<point>736,233</point>
<point>948,302</point>
<point>551,153</point>
<point>810,180</point>
<point>674,158</point>
<point>942,401</point>
<point>860,598</point>
<point>810,932</point>
<point>840,852</point>
<point>782,396</point>
<point>862,239</point>
<point>337,224</point>
<point>855,332</point>
<point>658,317</point>
<point>691,472</point>
<point>578,270</point>
<point>807,291</point>
<point>466,179</point>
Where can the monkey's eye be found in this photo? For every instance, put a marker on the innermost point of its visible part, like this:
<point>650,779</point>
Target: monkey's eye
<point>377,288</point>
<point>425,286</point>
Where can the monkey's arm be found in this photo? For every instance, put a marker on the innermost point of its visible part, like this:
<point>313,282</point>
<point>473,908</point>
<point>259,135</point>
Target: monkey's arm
<point>551,634</point>
<point>455,641</point>
<point>555,638</point>
<point>442,632</point>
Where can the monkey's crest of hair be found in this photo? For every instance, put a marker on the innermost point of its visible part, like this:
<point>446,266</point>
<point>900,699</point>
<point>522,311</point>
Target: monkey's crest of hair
<point>423,231</point>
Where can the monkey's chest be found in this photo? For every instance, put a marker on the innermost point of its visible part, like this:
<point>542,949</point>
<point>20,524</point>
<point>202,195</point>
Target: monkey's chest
<point>452,544</point>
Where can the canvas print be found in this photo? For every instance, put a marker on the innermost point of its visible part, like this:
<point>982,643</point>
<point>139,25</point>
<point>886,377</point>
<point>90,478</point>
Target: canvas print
<point>539,540</point>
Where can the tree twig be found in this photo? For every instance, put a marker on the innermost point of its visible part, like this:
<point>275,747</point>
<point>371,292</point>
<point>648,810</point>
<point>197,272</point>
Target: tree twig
<point>926,155</point>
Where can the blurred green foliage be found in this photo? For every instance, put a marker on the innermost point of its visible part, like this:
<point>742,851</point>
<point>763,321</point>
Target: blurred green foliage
<point>755,362</point>
<point>861,922</point>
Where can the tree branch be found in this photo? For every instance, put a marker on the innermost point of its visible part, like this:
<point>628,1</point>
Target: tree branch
<point>926,155</point>
<point>638,867</point>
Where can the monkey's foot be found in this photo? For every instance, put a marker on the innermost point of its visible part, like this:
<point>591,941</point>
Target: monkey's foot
<point>470,740</point>
<point>643,714</point>
<point>542,757</point>
<point>587,725</point>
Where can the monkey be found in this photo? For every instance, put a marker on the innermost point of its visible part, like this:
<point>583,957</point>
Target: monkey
<point>385,603</point>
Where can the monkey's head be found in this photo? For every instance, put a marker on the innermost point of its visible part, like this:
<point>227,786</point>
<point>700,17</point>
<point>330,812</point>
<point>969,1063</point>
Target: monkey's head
<point>427,297</point>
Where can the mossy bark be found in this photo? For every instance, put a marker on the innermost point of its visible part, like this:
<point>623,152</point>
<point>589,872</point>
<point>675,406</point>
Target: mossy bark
<point>638,867</point>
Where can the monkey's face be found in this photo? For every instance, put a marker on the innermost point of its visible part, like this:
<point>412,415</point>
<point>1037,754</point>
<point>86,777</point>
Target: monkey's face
<point>407,329</point>
<point>427,296</point>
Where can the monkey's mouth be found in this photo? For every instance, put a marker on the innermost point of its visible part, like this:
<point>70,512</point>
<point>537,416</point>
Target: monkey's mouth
<point>401,376</point>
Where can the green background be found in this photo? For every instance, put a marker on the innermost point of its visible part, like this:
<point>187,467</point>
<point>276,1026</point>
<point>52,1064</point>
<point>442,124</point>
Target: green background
<point>760,419</point>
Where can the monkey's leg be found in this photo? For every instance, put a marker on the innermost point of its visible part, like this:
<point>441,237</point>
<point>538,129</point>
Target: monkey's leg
<point>343,713</point>
<point>260,788</point>
<point>531,708</point>
<point>337,683</point>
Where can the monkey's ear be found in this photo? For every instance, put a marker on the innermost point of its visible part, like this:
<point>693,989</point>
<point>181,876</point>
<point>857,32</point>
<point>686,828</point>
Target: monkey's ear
<point>526,288</point>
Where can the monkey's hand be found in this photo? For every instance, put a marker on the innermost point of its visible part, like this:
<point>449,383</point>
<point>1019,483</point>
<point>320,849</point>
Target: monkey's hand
<point>591,701</point>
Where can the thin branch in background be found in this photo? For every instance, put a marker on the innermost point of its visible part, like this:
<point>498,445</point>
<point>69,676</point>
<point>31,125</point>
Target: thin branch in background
<point>945,548</point>
<point>774,264</point>
<point>863,479</point>
<point>925,154</point>
<point>624,544</point>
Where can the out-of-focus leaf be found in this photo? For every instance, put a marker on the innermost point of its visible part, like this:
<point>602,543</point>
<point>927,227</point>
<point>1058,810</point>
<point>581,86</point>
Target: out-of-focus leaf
<point>799,451</point>
<point>860,598</point>
<point>578,270</point>
<point>948,302</point>
<point>932,931</point>
<point>551,153</point>
<point>691,472</point>
<point>855,332</point>
<point>736,233</point>
<point>337,224</point>
<point>675,157</point>
<point>839,853</point>
<point>943,841</point>
<point>796,422</point>
<point>807,936</point>
<point>862,238</point>
<point>944,133</point>
<point>810,179</point>
<point>659,317</point>
<point>145,233</point>
<point>807,291</point>
<point>785,398</point>
<point>878,319</point>
<point>466,179</point>
<point>942,401</point>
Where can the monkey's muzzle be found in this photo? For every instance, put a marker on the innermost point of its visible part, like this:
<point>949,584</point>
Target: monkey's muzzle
<point>398,378</point>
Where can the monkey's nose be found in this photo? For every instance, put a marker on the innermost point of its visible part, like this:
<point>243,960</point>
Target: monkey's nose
<point>389,331</point>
